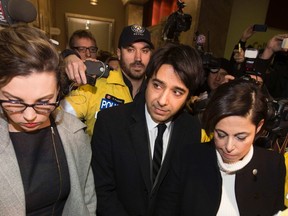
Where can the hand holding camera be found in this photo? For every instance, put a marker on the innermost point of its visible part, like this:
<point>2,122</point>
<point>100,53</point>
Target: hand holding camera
<point>95,70</point>
<point>247,33</point>
<point>284,44</point>
<point>275,44</point>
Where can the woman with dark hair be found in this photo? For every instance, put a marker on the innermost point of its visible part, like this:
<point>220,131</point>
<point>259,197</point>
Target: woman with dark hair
<point>251,179</point>
<point>44,153</point>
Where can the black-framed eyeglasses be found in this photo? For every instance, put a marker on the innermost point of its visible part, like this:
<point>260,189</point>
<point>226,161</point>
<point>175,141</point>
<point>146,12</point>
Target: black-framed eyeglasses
<point>82,49</point>
<point>19,107</point>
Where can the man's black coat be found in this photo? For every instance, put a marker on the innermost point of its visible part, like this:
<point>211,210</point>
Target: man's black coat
<point>122,160</point>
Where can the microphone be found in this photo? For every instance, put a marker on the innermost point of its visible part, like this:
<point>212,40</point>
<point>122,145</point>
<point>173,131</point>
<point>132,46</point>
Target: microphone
<point>22,11</point>
<point>13,11</point>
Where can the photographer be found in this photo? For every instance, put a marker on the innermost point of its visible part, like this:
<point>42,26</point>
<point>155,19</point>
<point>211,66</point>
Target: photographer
<point>261,62</point>
<point>218,71</point>
<point>82,46</point>
<point>277,76</point>
<point>237,57</point>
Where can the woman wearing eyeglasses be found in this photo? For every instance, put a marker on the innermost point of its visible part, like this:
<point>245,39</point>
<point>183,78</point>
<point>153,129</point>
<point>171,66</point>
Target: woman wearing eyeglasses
<point>44,152</point>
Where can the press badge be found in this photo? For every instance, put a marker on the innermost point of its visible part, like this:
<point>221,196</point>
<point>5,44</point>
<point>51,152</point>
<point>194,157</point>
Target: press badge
<point>110,101</point>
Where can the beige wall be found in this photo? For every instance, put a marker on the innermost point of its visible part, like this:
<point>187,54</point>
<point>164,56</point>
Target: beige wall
<point>245,13</point>
<point>192,8</point>
<point>214,23</point>
<point>112,9</point>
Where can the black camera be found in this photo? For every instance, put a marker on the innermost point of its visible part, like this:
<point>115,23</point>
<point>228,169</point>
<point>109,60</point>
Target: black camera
<point>95,70</point>
<point>277,113</point>
<point>276,126</point>
<point>277,116</point>
<point>177,22</point>
<point>250,57</point>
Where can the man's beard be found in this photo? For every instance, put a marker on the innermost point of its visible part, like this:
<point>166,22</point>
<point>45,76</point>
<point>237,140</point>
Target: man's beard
<point>134,75</point>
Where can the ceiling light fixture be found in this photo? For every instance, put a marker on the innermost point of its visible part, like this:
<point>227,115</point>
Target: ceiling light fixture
<point>93,2</point>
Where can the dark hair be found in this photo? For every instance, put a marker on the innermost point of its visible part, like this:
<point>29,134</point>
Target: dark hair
<point>236,98</point>
<point>184,59</point>
<point>81,34</point>
<point>25,50</point>
<point>103,55</point>
<point>226,65</point>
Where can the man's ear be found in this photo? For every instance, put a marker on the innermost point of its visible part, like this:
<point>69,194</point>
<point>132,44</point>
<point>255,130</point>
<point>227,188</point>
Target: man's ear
<point>118,54</point>
<point>259,126</point>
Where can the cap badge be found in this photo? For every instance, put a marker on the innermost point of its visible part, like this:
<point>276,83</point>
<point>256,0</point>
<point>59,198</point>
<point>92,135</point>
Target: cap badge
<point>137,29</point>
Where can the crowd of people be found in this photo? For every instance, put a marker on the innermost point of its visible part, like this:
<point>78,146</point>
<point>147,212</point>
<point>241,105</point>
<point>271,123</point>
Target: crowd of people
<point>135,143</point>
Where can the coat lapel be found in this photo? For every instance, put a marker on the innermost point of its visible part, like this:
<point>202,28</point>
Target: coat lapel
<point>177,137</point>
<point>11,186</point>
<point>139,139</point>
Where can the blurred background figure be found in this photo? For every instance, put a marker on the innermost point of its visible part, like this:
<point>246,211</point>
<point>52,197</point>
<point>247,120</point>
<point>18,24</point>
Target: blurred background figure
<point>84,43</point>
<point>113,62</point>
<point>218,71</point>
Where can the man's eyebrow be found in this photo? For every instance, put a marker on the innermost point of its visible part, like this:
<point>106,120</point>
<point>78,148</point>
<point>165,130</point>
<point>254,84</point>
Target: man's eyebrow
<point>174,87</point>
<point>147,46</point>
<point>157,80</point>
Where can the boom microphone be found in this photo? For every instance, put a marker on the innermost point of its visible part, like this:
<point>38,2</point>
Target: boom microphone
<point>22,11</point>
<point>14,11</point>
